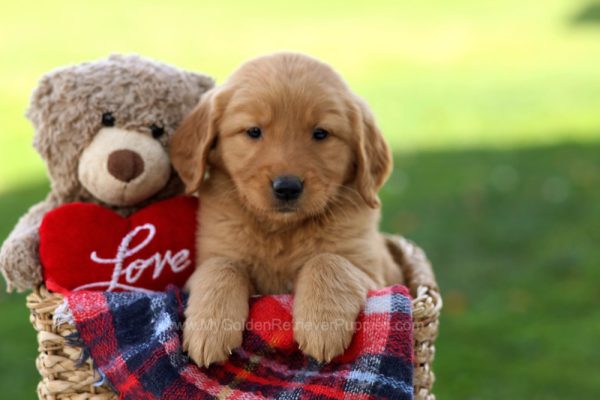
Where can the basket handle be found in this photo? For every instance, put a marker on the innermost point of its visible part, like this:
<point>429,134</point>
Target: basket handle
<point>427,302</point>
<point>413,262</point>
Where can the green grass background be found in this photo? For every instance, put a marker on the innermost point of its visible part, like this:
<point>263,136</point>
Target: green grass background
<point>493,110</point>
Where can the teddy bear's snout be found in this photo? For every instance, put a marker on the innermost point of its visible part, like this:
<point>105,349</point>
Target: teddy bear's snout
<point>125,165</point>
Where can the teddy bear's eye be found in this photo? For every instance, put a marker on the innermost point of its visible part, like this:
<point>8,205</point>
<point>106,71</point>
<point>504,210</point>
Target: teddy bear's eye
<point>157,131</point>
<point>108,119</point>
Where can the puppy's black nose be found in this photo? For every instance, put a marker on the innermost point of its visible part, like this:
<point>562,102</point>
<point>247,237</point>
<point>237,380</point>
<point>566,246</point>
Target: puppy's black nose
<point>287,187</point>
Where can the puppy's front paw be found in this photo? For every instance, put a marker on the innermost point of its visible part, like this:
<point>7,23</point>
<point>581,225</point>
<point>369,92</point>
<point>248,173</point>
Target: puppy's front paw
<point>324,333</point>
<point>210,339</point>
<point>216,312</point>
<point>330,292</point>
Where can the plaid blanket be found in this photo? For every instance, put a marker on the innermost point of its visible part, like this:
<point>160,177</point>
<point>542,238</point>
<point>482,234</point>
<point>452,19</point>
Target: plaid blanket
<point>135,342</point>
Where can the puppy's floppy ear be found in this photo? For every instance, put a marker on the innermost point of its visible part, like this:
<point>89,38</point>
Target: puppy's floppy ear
<point>373,156</point>
<point>194,139</point>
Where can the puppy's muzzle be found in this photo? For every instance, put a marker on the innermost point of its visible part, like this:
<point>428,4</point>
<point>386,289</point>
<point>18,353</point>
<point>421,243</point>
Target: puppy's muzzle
<point>287,188</point>
<point>125,165</point>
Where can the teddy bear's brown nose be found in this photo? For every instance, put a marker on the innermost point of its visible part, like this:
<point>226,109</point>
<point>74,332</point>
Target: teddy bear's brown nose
<point>125,165</point>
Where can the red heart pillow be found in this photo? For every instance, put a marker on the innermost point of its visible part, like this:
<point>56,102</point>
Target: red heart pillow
<point>87,246</point>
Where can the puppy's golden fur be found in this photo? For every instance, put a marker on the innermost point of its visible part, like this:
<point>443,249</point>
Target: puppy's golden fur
<point>327,248</point>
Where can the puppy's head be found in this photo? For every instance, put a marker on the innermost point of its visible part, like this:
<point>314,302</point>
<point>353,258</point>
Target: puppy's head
<point>289,134</point>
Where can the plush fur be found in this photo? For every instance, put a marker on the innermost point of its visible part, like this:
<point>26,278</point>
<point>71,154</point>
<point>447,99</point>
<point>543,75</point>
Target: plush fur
<point>66,111</point>
<point>327,249</point>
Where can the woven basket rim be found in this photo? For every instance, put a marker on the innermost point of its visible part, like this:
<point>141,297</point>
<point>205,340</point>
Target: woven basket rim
<point>64,378</point>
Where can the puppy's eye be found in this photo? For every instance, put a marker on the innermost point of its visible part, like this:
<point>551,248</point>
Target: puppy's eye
<point>254,132</point>
<point>157,131</point>
<point>319,134</point>
<point>108,119</point>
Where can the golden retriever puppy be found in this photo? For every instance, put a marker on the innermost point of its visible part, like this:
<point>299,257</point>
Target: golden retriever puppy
<point>287,162</point>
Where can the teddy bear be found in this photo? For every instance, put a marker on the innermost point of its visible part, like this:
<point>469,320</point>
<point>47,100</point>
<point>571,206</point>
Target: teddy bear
<point>103,130</point>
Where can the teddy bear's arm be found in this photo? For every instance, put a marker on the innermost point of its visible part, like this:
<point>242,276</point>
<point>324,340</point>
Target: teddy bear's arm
<point>19,257</point>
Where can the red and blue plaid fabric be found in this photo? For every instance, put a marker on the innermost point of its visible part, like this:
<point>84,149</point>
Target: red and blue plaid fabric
<point>135,341</point>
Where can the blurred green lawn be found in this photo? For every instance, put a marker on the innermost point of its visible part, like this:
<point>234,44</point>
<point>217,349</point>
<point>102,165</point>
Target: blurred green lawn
<point>493,109</point>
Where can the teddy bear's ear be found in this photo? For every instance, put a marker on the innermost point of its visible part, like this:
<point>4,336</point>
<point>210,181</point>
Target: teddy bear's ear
<point>39,100</point>
<point>39,109</point>
<point>202,82</point>
<point>52,114</point>
<point>116,57</point>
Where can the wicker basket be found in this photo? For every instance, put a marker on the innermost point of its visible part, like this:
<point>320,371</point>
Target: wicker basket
<point>63,377</point>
